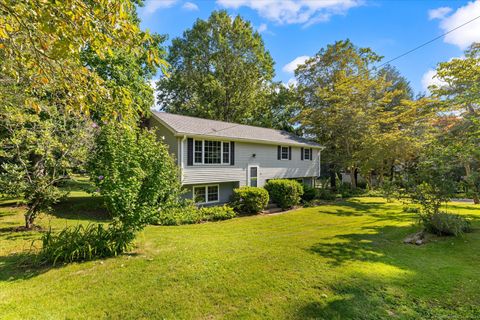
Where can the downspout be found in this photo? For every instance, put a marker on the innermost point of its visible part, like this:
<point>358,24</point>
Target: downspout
<point>181,158</point>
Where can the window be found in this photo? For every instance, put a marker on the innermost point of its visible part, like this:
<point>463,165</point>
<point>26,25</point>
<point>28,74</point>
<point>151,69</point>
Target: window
<point>226,152</point>
<point>307,154</point>
<point>253,178</point>
<point>284,153</point>
<point>211,152</point>
<point>206,194</point>
<point>198,151</point>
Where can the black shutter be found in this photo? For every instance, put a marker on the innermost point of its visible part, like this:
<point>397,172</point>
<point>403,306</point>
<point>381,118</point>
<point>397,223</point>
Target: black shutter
<point>189,152</point>
<point>311,154</point>
<point>279,152</point>
<point>232,153</point>
<point>289,153</point>
<point>301,153</point>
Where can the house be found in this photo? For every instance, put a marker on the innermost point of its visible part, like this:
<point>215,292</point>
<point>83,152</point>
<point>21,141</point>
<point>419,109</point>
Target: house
<point>215,156</point>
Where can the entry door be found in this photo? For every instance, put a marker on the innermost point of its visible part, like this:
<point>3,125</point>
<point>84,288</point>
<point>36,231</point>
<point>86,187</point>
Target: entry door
<point>253,176</point>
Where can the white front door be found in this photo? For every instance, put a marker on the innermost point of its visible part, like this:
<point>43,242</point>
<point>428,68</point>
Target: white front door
<point>252,175</point>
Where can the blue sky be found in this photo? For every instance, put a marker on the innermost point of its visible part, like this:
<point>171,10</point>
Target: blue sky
<point>295,29</point>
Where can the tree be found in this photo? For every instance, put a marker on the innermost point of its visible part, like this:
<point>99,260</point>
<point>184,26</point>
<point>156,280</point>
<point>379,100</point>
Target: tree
<point>219,70</point>
<point>39,150</point>
<point>460,94</point>
<point>41,43</point>
<point>134,173</point>
<point>339,102</point>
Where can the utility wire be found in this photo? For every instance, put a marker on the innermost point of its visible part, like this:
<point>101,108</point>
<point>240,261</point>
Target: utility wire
<point>378,68</point>
<point>428,42</point>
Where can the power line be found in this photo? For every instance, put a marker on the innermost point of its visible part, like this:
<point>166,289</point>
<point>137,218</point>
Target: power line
<point>428,42</point>
<point>410,51</point>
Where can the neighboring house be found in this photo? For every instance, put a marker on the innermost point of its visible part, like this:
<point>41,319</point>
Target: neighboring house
<point>215,157</point>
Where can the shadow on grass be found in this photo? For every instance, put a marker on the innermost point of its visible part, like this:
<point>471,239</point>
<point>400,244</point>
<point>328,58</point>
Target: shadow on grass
<point>81,208</point>
<point>416,288</point>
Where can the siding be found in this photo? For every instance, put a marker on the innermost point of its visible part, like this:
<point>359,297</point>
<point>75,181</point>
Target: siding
<point>225,190</point>
<point>168,137</point>
<point>265,157</point>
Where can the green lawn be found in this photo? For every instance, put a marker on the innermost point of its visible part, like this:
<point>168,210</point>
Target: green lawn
<point>339,261</point>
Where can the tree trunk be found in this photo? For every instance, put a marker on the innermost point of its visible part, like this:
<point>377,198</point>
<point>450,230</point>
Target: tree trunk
<point>333,179</point>
<point>353,181</point>
<point>355,176</point>
<point>29,221</point>
<point>476,200</point>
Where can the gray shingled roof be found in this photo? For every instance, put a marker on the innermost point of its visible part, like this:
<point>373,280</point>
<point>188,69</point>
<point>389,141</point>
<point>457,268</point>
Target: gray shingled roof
<point>184,125</point>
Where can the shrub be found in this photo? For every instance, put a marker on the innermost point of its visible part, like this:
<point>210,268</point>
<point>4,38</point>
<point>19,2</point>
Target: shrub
<point>326,194</point>
<point>134,173</point>
<point>184,213</point>
<point>250,200</point>
<point>217,213</point>
<point>389,190</point>
<point>188,213</point>
<point>446,224</point>
<point>81,243</point>
<point>285,193</point>
<point>309,193</point>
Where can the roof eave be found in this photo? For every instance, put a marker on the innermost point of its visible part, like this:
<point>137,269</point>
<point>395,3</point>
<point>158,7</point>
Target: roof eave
<point>259,141</point>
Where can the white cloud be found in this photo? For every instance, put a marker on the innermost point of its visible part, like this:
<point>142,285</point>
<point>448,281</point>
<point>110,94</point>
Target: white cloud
<point>306,12</point>
<point>463,37</point>
<point>292,65</point>
<point>430,78</point>
<point>263,27</point>
<point>190,6</point>
<point>153,5</point>
<point>439,13</point>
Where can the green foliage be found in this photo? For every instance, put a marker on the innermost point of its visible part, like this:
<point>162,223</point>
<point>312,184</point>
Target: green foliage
<point>446,224</point>
<point>81,243</point>
<point>284,192</point>
<point>38,151</point>
<point>326,194</point>
<point>42,44</point>
<point>217,213</point>
<point>188,213</point>
<point>249,200</point>
<point>309,193</point>
<point>411,209</point>
<point>389,190</point>
<point>135,174</point>
<point>220,70</point>
<point>365,119</point>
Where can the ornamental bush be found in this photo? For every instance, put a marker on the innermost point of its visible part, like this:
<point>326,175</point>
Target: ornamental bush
<point>309,193</point>
<point>135,174</point>
<point>188,213</point>
<point>285,193</point>
<point>446,224</point>
<point>250,200</point>
<point>137,178</point>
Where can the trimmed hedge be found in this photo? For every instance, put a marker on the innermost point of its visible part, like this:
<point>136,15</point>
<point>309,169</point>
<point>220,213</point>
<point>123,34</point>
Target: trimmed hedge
<point>285,193</point>
<point>188,213</point>
<point>250,200</point>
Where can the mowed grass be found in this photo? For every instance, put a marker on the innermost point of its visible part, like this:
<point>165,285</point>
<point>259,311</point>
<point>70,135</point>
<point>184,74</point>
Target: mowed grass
<point>338,261</point>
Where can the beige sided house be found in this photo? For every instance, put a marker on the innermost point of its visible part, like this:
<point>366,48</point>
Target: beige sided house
<point>215,156</point>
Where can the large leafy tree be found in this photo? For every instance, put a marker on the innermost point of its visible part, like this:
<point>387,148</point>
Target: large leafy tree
<point>362,115</point>
<point>337,91</point>
<point>60,61</point>
<point>459,91</point>
<point>39,150</point>
<point>220,70</point>
<point>41,45</point>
